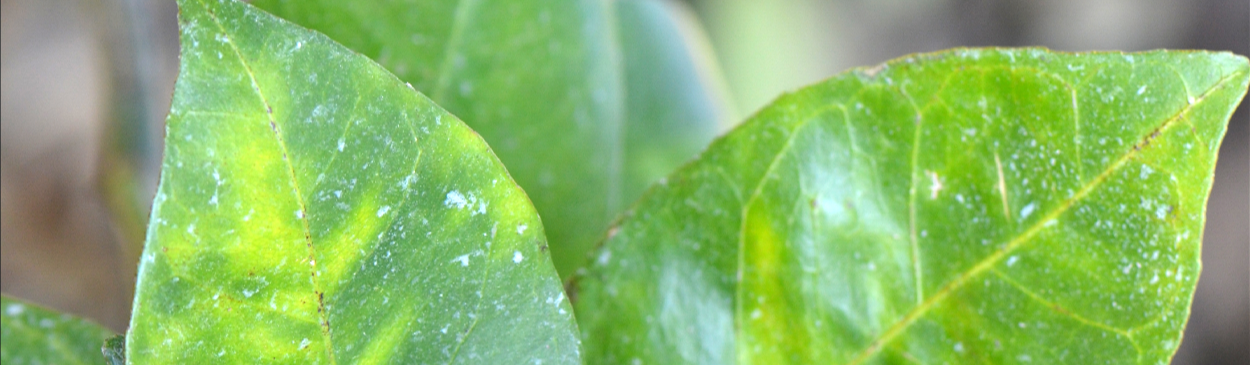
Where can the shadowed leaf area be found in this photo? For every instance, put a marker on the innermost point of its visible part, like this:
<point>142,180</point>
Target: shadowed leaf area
<point>34,335</point>
<point>314,209</point>
<point>969,206</point>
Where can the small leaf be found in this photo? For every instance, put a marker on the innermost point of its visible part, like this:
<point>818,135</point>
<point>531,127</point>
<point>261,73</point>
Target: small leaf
<point>34,335</point>
<point>314,209</point>
<point>967,206</point>
<point>538,79</point>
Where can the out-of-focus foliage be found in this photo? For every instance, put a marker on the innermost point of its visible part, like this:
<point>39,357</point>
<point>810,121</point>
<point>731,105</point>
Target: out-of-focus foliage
<point>34,335</point>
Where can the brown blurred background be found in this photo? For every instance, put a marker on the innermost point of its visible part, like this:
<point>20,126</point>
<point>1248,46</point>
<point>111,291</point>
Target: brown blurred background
<point>85,85</point>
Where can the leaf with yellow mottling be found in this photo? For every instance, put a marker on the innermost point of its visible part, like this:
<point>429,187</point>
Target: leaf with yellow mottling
<point>314,209</point>
<point>967,206</point>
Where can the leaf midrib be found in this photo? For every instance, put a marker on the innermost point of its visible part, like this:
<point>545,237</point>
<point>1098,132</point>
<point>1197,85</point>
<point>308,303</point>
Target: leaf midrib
<point>277,133</point>
<point>985,264</point>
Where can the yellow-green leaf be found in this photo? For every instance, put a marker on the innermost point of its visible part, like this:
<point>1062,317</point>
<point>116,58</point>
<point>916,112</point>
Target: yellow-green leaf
<point>967,206</point>
<point>34,335</point>
<point>548,85</point>
<point>313,209</point>
<point>539,79</point>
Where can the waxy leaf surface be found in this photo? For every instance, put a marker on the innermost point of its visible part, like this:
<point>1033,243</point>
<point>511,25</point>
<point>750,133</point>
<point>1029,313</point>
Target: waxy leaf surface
<point>968,206</point>
<point>542,82</point>
<point>313,209</point>
<point>34,335</point>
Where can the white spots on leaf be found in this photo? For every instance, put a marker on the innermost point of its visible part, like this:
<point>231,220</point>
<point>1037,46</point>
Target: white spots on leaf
<point>520,228</point>
<point>517,257</point>
<point>1027,210</point>
<point>455,199</point>
<point>1012,260</point>
<point>383,210</point>
<point>959,347</point>
<point>461,201</point>
<point>935,184</point>
<point>603,258</point>
<point>1141,90</point>
<point>756,313</point>
<point>1146,171</point>
<point>299,213</point>
<point>342,144</point>
<point>304,343</point>
<point>463,259</point>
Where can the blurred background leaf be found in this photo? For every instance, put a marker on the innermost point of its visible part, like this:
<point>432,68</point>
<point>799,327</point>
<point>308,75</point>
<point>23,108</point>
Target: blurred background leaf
<point>35,335</point>
<point>57,246</point>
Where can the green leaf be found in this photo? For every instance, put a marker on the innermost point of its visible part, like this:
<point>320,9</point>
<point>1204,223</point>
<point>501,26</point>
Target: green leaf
<point>115,350</point>
<point>967,206</point>
<point>34,335</point>
<point>314,209</point>
<point>539,79</point>
<point>675,101</point>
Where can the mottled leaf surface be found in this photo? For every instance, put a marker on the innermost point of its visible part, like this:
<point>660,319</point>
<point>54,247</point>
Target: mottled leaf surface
<point>539,79</point>
<point>968,206</point>
<point>675,101</point>
<point>34,335</point>
<point>313,209</point>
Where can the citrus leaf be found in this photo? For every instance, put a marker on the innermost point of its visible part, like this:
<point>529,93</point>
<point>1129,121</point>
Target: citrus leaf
<point>675,101</point>
<point>34,335</point>
<point>967,206</point>
<point>314,209</point>
<point>539,79</point>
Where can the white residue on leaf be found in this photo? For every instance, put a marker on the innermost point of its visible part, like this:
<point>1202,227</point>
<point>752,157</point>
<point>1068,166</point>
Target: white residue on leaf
<point>1027,210</point>
<point>455,199</point>
<point>304,343</point>
<point>520,228</point>
<point>935,184</point>
<point>342,144</point>
<point>463,259</point>
<point>382,211</point>
<point>1012,260</point>
<point>517,257</point>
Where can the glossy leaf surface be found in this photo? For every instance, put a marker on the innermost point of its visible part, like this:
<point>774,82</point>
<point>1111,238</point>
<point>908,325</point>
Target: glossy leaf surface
<point>968,206</point>
<point>34,335</point>
<point>313,209</point>
<point>539,79</point>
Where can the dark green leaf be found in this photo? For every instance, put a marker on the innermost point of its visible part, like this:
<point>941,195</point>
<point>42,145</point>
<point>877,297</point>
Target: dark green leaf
<point>674,100</point>
<point>115,350</point>
<point>314,209</point>
<point>968,206</point>
<point>34,335</point>
<point>539,79</point>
